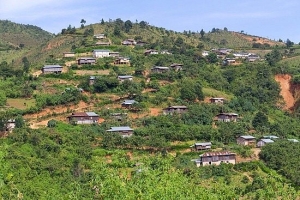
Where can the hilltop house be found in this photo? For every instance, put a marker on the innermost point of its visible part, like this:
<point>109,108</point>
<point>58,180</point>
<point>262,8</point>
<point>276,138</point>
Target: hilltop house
<point>217,100</point>
<point>101,53</point>
<point>253,57</point>
<point>83,118</point>
<point>216,158</point>
<point>246,140</point>
<point>242,55</point>
<point>159,69</point>
<point>128,103</point>
<point>124,131</point>
<point>125,77</point>
<point>263,142</point>
<point>68,54</point>
<point>174,109</point>
<point>227,117</point>
<point>201,146</point>
<point>55,69</point>
<point>176,66</point>
<point>86,61</point>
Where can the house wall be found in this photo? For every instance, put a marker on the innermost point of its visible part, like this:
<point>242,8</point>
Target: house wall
<point>52,70</point>
<point>83,61</point>
<point>225,118</point>
<point>197,148</point>
<point>84,120</point>
<point>219,162</point>
<point>101,54</point>
<point>261,144</point>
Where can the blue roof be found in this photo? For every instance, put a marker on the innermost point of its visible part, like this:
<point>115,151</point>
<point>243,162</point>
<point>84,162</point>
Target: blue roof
<point>129,102</point>
<point>101,50</point>
<point>120,128</point>
<point>51,66</point>
<point>92,114</point>
<point>267,140</point>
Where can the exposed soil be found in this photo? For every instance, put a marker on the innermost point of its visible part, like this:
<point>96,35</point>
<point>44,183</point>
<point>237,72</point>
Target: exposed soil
<point>260,40</point>
<point>284,82</point>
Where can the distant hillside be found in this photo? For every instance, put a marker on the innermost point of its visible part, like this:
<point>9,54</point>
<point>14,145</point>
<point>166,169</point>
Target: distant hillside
<point>39,45</point>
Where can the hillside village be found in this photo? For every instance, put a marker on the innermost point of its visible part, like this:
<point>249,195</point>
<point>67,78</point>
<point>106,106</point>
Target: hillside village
<point>128,92</point>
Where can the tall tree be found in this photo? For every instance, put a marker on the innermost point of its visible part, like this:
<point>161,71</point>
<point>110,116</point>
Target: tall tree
<point>128,26</point>
<point>202,33</point>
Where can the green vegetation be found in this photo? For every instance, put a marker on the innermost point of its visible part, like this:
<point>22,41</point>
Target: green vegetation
<point>69,161</point>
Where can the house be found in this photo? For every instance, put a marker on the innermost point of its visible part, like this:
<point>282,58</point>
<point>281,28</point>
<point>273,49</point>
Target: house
<point>263,142</point>
<point>122,61</point>
<point>217,100</point>
<point>201,146</point>
<point>150,52</point>
<point>165,52</point>
<point>293,140</point>
<point>176,66</point>
<point>124,131</point>
<point>129,42</point>
<point>128,103</point>
<point>240,55</point>
<point>10,125</point>
<point>174,109</point>
<point>159,69</point>
<point>92,80</point>
<point>205,53</point>
<point>227,117</point>
<point>68,54</point>
<point>99,36</point>
<point>125,77</point>
<point>114,54</point>
<point>84,118</point>
<point>216,158</point>
<point>100,43</point>
<point>222,51</point>
<point>272,137</point>
<point>229,61</point>
<point>52,69</point>
<point>253,57</point>
<point>246,140</point>
<point>86,61</point>
<point>101,53</point>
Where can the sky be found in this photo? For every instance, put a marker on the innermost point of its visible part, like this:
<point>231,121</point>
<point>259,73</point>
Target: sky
<point>273,19</point>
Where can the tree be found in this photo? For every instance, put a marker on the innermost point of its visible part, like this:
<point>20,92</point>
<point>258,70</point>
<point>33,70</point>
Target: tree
<point>51,123</point>
<point>26,65</point>
<point>117,31</point>
<point>260,120</point>
<point>273,57</point>
<point>19,121</point>
<point>102,21</point>
<point>212,57</point>
<point>82,23</point>
<point>2,98</point>
<point>202,33</point>
<point>143,24</point>
<point>128,26</point>
<point>289,43</point>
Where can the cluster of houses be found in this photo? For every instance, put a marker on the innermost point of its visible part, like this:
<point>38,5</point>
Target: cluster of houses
<point>224,52</point>
<point>155,52</point>
<point>216,158</point>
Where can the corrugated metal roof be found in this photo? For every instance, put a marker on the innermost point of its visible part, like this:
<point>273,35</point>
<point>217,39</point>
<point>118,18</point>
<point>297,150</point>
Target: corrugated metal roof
<point>124,77</point>
<point>129,102</point>
<point>270,137</point>
<point>293,140</point>
<point>160,67</point>
<point>92,114</point>
<point>51,66</point>
<point>202,143</point>
<point>247,137</point>
<point>120,128</point>
<point>267,140</point>
<point>217,153</point>
<point>101,50</point>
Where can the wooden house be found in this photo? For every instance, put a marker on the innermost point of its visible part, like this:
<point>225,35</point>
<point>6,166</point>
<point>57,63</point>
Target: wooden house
<point>122,61</point>
<point>84,118</point>
<point>216,158</point>
<point>263,142</point>
<point>246,140</point>
<point>198,146</point>
<point>129,42</point>
<point>253,58</point>
<point>227,117</point>
<point>174,109</point>
<point>52,69</point>
<point>229,61</point>
<point>124,131</point>
<point>217,100</point>
<point>150,52</point>
<point>86,61</point>
<point>159,69</point>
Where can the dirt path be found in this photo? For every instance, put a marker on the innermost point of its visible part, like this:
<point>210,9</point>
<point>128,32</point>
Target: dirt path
<point>284,82</point>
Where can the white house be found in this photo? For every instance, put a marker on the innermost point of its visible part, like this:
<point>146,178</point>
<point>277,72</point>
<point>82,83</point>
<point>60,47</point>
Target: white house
<point>101,53</point>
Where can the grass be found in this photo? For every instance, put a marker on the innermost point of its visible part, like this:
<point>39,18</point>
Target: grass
<point>21,103</point>
<point>210,92</point>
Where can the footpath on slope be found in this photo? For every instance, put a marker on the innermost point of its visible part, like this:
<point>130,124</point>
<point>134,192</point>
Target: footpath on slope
<point>284,82</point>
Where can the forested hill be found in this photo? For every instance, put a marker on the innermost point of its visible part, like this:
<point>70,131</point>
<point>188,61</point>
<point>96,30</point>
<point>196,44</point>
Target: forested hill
<point>13,35</point>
